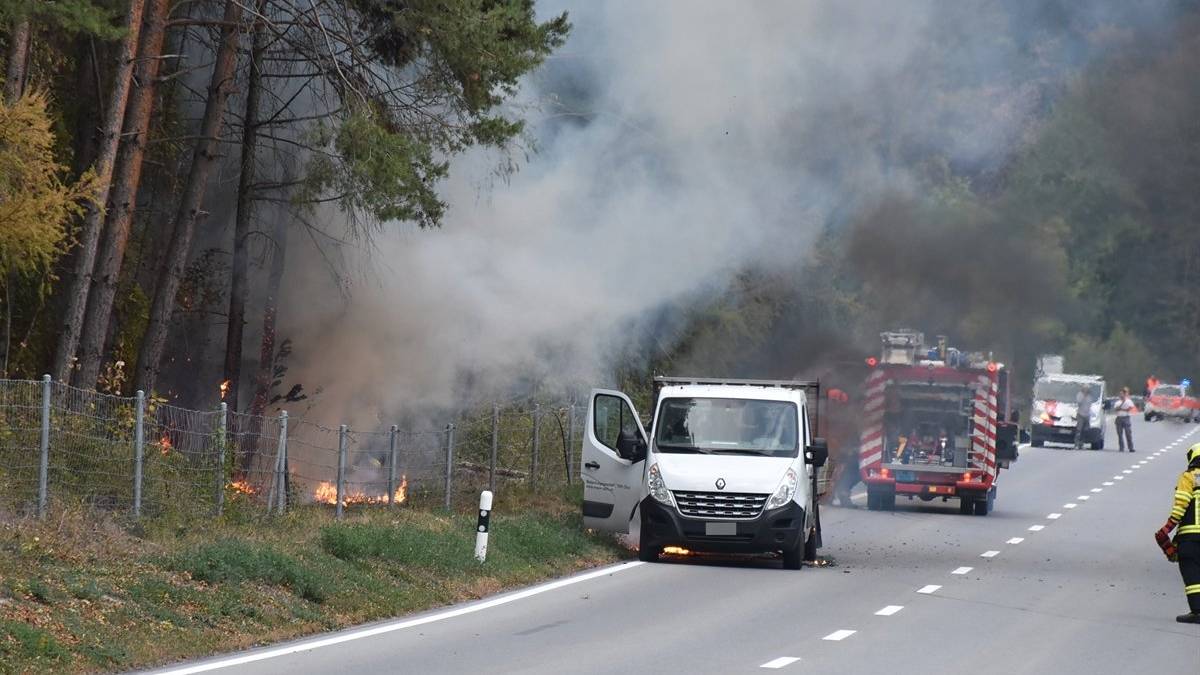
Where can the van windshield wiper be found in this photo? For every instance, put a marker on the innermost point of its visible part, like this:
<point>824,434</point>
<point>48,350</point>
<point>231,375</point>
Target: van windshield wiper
<point>671,447</point>
<point>739,451</point>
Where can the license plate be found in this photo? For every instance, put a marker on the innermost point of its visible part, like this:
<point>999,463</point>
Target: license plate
<point>905,476</point>
<point>720,529</point>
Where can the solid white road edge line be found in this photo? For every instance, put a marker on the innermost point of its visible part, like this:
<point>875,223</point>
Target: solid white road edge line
<point>780,662</point>
<point>962,570</point>
<point>889,610</point>
<point>989,554</point>
<point>839,635</point>
<point>402,624</point>
<point>928,590</point>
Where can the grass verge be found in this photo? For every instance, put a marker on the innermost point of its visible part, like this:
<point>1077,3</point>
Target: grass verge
<point>84,593</point>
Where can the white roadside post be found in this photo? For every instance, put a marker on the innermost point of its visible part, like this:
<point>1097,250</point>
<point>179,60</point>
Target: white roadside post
<point>481,530</point>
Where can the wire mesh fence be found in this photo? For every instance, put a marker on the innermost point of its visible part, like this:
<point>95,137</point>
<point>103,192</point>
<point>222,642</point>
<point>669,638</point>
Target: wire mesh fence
<point>147,458</point>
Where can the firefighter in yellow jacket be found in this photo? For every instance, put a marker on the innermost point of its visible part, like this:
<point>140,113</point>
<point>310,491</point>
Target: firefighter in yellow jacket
<point>1185,514</point>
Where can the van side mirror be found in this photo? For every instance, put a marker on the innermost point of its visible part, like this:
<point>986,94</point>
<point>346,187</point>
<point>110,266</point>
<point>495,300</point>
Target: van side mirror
<point>817,452</point>
<point>630,446</point>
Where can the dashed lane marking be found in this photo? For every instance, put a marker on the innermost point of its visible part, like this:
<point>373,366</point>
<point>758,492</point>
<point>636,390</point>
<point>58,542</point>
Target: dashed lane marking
<point>1083,498</point>
<point>1015,540</point>
<point>989,554</point>
<point>889,610</point>
<point>1126,471</point>
<point>928,590</point>
<point>1118,477</point>
<point>1054,516</point>
<point>839,635</point>
<point>1069,506</point>
<point>780,662</point>
<point>1036,528</point>
<point>1108,483</point>
<point>962,570</point>
<point>1097,489</point>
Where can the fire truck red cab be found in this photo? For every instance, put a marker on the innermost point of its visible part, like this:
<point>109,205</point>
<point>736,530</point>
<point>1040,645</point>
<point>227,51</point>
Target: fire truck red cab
<point>936,424</point>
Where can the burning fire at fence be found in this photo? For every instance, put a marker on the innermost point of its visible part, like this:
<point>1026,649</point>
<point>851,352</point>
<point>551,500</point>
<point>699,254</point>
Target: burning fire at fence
<point>326,493</point>
<point>224,389</point>
<point>242,487</point>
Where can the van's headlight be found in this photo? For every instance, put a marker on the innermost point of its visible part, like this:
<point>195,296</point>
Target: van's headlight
<point>785,492</point>
<point>658,489</point>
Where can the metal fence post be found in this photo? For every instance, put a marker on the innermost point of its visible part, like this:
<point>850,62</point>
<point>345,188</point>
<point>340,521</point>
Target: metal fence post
<point>138,438</point>
<point>44,462</point>
<point>392,464</point>
<point>341,468</point>
<point>281,463</point>
<point>570,443</point>
<point>222,434</point>
<point>537,445</point>
<point>449,462</point>
<point>495,447</point>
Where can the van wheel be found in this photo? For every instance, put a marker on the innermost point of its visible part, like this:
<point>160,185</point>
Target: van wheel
<point>810,547</point>
<point>646,552</point>
<point>793,558</point>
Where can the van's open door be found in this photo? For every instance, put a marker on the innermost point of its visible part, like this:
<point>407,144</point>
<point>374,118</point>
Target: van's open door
<point>614,461</point>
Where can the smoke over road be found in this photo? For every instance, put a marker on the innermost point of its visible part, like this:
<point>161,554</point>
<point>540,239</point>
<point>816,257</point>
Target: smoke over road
<point>676,145</point>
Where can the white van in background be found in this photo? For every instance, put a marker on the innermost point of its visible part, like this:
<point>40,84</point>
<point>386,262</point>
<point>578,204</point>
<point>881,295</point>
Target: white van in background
<point>728,466</point>
<point>1055,410</point>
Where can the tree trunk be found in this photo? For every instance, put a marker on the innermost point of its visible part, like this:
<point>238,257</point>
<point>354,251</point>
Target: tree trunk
<point>241,229</point>
<point>265,374</point>
<point>123,197</point>
<point>18,61</point>
<point>89,236</point>
<point>203,159</point>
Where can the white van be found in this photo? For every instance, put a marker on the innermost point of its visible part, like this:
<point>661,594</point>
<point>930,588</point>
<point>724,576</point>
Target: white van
<point>728,466</point>
<point>1056,410</point>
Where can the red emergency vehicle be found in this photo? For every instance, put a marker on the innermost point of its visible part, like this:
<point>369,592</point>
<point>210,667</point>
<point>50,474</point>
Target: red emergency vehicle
<point>936,424</point>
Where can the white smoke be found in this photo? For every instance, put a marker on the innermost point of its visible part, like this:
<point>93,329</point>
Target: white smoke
<point>676,144</point>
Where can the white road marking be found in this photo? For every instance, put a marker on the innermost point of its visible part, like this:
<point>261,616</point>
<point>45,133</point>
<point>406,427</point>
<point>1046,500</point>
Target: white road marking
<point>780,662</point>
<point>928,590</point>
<point>989,554</point>
<point>1108,483</point>
<point>1054,516</point>
<point>308,645</point>
<point>1097,489</point>
<point>1143,461</point>
<point>962,570</point>
<point>889,610</point>
<point>1118,477</point>
<point>1015,540</point>
<point>1083,498</point>
<point>1136,466</point>
<point>1069,506</point>
<point>1126,471</point>
<point>839,635</point>
<point>1036,528</point>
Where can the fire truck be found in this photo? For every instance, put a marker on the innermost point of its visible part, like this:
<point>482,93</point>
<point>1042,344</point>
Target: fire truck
<point>936,424</point>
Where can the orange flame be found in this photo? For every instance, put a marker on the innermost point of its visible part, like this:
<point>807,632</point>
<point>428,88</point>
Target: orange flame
<point>165,444</point>
<point>676,550</point>
<point>224,389</point>
<point>243,487</point>
<point>326,493</point>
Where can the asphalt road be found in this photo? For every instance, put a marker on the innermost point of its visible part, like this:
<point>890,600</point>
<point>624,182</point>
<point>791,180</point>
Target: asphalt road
<point>1072,583</point>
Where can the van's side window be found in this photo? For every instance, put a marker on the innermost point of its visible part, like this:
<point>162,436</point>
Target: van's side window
<point>613,417</point>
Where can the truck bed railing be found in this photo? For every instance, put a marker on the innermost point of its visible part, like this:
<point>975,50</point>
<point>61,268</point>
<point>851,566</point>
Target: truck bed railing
<point>661,380</point>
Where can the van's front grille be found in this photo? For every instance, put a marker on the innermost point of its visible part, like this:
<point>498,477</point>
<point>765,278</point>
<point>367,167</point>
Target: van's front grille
<point>719,504</point>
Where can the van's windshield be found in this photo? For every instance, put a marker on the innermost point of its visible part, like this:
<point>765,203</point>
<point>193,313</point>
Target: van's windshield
<point>728,426</point>
<point>1169,390</point>
<point>1063,390</point>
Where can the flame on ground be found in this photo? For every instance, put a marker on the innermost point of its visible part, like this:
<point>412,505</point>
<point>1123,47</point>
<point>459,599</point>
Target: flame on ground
<point>243,487</point>
<point>224,389</point>
<point>326,493</point>
<point>676,550</point>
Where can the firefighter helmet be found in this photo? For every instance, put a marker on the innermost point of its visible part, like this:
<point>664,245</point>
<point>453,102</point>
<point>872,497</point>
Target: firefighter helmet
<point>1194,456</point>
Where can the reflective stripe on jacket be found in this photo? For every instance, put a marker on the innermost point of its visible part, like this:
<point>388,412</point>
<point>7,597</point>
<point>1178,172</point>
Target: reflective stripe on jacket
<point>1186,508</point>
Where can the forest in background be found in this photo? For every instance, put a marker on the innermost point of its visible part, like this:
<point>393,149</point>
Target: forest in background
<point>156,159</point>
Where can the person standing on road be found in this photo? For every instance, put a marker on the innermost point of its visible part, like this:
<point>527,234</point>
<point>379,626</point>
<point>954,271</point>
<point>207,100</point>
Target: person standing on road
<point>1185,514</point>
<point>1083,414</point>
<point>1124,407</point>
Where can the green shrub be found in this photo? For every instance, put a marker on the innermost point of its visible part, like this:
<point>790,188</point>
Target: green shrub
<point>22,641</point>
<point>234,561</point>
<point>405,545</point>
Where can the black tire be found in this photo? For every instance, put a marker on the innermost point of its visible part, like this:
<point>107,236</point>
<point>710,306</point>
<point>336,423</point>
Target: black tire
<point>982,507</point>
<point>1037,442</point>
<point>872,501</point>
<point>887,501</point>
<point>810,547</point>
<point>646,552</point>
<point>793,558</point>
<point>966,506</point>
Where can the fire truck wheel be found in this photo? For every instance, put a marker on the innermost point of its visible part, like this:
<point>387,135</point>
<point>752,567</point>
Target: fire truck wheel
<point>966,506</point>
<point>983,506</point>
<point>887,501</point>
<point>873,501</point>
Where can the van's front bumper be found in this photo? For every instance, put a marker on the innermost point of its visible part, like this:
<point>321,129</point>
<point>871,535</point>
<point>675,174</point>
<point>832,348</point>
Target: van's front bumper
<point>773,530</point>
